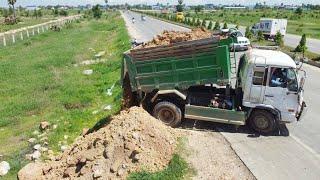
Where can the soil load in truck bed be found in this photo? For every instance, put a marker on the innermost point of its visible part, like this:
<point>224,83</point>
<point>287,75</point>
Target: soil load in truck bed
<point>171,37</point>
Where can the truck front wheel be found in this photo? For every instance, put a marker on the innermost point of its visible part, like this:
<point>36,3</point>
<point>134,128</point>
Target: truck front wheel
<point>262,121</point>
<point>168,113</point>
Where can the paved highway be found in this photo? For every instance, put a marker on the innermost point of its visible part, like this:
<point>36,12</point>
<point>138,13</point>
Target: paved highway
<point>292,40</point>
<point>296,156</point>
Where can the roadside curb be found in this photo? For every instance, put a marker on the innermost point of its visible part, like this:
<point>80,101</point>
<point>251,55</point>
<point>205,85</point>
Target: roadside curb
<point>313,63</point>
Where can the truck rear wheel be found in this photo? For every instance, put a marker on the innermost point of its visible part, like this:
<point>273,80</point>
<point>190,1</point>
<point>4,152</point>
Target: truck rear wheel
<point>168,113</point>
<point>262,121</point>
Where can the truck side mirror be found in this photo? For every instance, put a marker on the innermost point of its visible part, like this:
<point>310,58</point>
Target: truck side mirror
<point>301,83</point>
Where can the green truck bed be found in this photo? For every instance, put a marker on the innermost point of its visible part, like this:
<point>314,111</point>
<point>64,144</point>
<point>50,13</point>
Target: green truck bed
<point>178,66</point>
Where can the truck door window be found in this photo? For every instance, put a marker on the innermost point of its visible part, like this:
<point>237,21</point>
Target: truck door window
<point>259,76</point>
<point>292,83</point>
<point>277,78</point>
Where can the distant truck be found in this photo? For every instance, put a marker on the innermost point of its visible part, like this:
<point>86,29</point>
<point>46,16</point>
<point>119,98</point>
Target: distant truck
<point>270,27</point>
<point>180,16</point>
<point>193,80</point>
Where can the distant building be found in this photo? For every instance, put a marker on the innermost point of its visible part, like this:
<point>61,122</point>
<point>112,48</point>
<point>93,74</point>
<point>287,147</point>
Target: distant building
<point>89,6</point>
<point>235,7</point>
<point>156,7</point>
<point>209,6</point>
<point>31,8</point>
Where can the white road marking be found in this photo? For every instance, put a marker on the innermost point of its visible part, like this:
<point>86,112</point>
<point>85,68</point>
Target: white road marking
<point>308,148</point>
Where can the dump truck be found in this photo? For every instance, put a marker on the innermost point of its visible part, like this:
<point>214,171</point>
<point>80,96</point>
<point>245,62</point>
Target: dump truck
<point>202,80</point>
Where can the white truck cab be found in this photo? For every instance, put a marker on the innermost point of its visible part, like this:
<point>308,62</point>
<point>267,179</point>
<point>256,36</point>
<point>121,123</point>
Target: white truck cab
<point>270,80</point>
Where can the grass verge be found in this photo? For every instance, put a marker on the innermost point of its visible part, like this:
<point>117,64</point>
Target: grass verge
<point>177,168</point>
<point>42,81</point>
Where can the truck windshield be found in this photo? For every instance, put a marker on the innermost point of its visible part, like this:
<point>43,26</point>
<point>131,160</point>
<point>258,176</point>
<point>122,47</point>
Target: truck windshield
<point>292,83</point>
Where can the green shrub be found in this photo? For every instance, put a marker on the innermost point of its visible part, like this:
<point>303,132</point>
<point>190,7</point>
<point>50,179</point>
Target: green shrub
<point>260,36</point>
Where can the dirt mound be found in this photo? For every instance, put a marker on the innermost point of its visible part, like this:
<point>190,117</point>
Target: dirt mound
<point>170,37</point>
<point>133,141</point>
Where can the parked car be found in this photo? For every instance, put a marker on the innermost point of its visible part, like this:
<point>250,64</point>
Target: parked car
<point>242,43</point>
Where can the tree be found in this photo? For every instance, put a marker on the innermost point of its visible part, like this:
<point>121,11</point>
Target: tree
<point>204,24</point>
<point>299,11</point>
<point>198,9</point>
<point>35,14</point>
<point>55,11</point>
<point>248,33</point>
<point>278,39</point>
<point>217,25</point>
<point>63,12</point>
<point>106,1</point>
<point>225,26</point>
<point>11,3</point>
<point>302,47</point>
<point>179,7</point>
<point>96,11</point>
<point>260,36</point>
<point>198,23</point>
<point>193,23</point>
<point>210,25</point>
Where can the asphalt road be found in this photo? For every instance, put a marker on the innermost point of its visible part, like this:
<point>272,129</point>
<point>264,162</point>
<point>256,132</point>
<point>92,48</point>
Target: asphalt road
<point>295,154</point>
<point>292,40</point>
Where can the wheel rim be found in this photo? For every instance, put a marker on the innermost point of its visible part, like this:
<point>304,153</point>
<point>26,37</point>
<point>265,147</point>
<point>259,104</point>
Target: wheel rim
<point>166,115</point>
<point>261,122</point>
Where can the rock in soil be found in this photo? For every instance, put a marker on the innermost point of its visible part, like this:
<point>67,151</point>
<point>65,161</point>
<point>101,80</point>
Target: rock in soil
<point>4,168</point>
<point>37,147</point>
<point>31,171</point>
<point>44,125</point>
<point>32,140</point>
<point>123,146</point>
<point>36,155</point>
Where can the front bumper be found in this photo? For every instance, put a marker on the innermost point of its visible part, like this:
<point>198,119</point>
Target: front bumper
<point>241,47</point>
<point>302,112</point>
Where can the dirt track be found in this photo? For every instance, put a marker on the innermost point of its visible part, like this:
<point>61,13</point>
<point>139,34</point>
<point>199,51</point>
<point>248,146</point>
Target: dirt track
<point>213,158</point>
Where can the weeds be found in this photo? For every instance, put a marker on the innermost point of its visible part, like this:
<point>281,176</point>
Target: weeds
<point>40,81</point>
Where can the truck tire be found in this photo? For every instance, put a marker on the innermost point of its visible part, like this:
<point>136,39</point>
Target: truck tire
<point>168,113</point>
<point>262,121</point>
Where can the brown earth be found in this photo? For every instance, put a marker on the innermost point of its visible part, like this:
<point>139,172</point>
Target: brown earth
<point>170,37</point>
<point>133,141</point>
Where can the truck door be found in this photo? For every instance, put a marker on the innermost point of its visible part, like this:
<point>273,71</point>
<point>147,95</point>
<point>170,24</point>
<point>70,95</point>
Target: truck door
<point>281,92</point>
<point>258,84</point>
<point>292,95</point>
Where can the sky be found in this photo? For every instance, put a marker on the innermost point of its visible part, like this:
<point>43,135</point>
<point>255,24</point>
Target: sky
<point>3,3</point>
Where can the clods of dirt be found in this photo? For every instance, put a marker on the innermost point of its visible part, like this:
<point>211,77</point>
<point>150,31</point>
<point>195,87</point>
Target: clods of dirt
<point>133,141</point>
<point>171,37</point>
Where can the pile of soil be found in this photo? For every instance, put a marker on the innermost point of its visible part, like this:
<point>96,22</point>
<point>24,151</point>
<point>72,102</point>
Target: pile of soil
<point>170,37</point>
<point>133,141</point>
